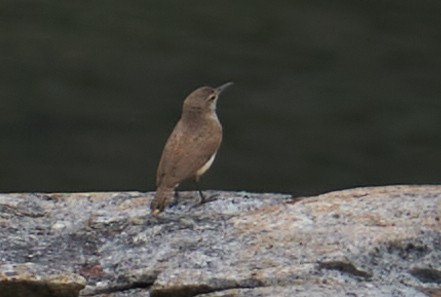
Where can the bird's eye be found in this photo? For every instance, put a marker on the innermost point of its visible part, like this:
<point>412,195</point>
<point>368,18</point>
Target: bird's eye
<point>212,97</point>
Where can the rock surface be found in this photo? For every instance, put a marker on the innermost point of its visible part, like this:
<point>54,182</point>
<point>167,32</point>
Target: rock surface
<point>383,241</point>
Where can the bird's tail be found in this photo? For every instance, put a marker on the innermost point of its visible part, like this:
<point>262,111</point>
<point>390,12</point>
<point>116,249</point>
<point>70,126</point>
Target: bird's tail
<point>163,197</point>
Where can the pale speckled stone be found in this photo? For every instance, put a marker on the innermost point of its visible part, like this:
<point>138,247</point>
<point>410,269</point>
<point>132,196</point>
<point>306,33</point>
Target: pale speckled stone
<point>380,241</point>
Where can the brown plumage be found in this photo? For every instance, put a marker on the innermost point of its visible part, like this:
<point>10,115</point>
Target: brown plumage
<point>192,146</point>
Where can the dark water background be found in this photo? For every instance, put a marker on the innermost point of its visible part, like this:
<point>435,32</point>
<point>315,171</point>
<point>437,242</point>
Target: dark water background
<point>328,94</point>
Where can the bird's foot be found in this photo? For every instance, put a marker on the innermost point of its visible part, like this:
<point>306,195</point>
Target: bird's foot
<point>205,199</point>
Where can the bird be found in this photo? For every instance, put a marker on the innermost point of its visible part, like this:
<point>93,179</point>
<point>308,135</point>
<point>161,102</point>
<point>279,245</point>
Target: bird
<point>192,146</point>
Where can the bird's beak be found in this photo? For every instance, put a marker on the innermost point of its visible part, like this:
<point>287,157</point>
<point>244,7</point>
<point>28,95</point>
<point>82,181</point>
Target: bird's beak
<point>223,87</point>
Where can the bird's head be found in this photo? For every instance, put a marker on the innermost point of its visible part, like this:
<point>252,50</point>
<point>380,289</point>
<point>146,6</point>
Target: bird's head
<point>204,98</point>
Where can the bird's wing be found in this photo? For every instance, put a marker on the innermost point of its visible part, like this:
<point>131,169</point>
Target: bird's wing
<point>184,154</point>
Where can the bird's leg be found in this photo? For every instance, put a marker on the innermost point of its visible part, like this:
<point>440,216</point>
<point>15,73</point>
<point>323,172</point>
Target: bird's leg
<point>175,198</point>
<point>205,199</point>
<point>200,192</point>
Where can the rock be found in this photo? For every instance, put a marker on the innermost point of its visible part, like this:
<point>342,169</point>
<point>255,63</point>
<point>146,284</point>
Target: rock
<point>29,279</point>
<point>383,241</point>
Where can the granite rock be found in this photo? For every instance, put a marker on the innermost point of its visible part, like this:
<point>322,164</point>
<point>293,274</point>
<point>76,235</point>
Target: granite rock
<point>379,241</point>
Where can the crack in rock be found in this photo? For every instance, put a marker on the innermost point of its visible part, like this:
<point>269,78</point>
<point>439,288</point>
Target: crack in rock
<point>346,267</point>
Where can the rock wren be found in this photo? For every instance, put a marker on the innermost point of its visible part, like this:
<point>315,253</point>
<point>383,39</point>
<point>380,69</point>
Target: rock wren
<point>191,148</point>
